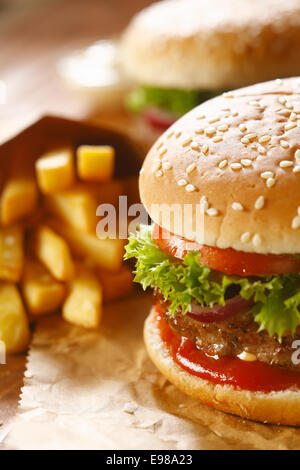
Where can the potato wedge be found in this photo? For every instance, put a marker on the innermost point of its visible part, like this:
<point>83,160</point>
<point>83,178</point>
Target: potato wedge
<point>14,327</point>
<point>76,206</point>
<point>55,170</point>
<point>42,293</point>
<point>20,194</point>
<point>115,285</point>
<point>52,251</point>
<point>95,162</point>
<point>107,254</point>
<point>11,253</point>
<point>83,305</point>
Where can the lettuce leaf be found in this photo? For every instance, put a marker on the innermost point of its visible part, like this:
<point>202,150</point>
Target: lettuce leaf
<point>277,297</point>
<point>177,102</point>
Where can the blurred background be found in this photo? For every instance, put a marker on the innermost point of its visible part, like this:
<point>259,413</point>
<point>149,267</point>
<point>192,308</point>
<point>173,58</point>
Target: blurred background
<point>35,35</point>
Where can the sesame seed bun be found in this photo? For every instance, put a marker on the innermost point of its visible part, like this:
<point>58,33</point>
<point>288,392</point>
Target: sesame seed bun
<point>211,45</point>
<point>275,407</point>
<point>237,157</point>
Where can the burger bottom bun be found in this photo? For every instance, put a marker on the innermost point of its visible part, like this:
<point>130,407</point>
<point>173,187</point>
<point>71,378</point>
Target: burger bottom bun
<point>274,407</point>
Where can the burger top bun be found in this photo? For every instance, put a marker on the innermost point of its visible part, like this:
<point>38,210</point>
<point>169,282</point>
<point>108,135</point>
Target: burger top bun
<point>234,161</point>
<point>212,44</point>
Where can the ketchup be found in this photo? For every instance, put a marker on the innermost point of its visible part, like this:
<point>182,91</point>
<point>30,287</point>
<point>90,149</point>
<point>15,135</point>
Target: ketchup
<point>255,376</point>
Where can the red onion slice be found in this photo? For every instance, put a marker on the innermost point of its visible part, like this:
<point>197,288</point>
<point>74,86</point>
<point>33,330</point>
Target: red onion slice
<point>220,312</point>
<point>159,118</point>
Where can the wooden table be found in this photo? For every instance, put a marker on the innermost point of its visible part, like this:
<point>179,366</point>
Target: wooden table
<point>31,43</point>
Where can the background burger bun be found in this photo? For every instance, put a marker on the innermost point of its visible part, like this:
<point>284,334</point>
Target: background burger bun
<point>215,44</point>
<point>275,407</point>
<point>236,158</point>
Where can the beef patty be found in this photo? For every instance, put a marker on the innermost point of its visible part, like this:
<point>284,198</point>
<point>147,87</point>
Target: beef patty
<point>232,336</point>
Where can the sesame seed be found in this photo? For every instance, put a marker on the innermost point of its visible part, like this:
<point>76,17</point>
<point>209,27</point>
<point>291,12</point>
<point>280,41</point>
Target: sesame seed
<point>166,165</point>
<point>285,164</point>
<point>212,211</point>
<point>261,150</point>
<point>296,169</point>
<point>297,155</point>
<point>182,182</point>
<point>235,114</point>
<point>235,166</point>
<point>278,81</point>
<point>201,116</point>
<point>190,188</point>
<point>213,119</point>
<point>205,149</point>
<point>254,103</point>
<point>236,206</point>
<point>195,146</point>
<point>244,140</point>
<point>203,204</point>
<point>217,138</point>
<point>223,128</point>
<point>293,117</point>
<point>246,356</point>
<point>162,151</point>
<point>170,133</point>
<point>186,142</point>
<point>200,130</point>
<point>270,182</point>
<point>245,237</point>
<point>178,134</point>
<point>251,137</point>
<point>256,239</point>
<point>282,100</point>
<point>242,127</point>
<point>190,168</point>
<point>225,109</point>
<point>289,106</point>
<point>246,162</point>
<point>223,163</point>
<point>228,94</point>
<point>296,222</point>
<point>284,144</point>
<point>210,131</point>
<point>158,173</point>
<point>267,174</point>
<point>259,203</point>
<point>156,166</point>
<point>264,139</point>
<point>290,126</point>
<point>159,145</point>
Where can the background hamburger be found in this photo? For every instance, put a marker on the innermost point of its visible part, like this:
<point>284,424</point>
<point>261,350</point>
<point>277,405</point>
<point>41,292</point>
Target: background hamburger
<point>183,52</point>
<point>228,297</point>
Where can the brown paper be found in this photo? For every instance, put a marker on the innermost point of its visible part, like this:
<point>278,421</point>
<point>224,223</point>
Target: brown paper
<point>99,390</point>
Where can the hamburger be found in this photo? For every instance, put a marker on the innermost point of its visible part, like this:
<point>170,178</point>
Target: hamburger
<point>183,52</point>
<point>225,327</point>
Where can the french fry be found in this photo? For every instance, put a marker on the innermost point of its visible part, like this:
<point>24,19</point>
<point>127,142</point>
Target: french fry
<point>14,328</point>
<point>11,253</point>
<point>76,206</point>
<point>95,162</point>
<point>42,293</point>
<point>83,305</point>
<point>55,170</point>
<point>107,253</point>
<point>20,193</point>
<point>52,251</point>
<point>115,285</point>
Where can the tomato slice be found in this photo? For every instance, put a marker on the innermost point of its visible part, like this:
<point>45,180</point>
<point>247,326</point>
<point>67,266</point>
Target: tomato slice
<point>227,260</point>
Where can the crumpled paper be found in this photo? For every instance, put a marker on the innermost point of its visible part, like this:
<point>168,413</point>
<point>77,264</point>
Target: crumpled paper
<point>99,390</point>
